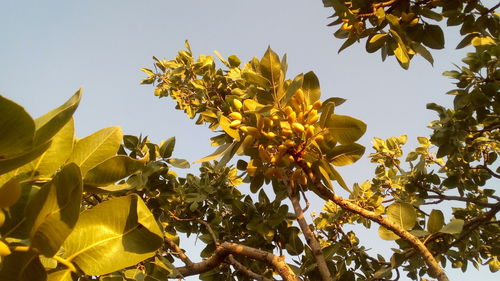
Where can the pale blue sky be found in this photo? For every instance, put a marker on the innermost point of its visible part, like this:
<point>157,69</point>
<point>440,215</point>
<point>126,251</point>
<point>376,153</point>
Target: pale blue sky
<point>51,48</point>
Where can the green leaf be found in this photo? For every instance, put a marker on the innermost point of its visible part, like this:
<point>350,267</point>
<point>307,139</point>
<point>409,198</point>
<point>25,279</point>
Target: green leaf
<point>342,155</point>
<point>54,210</point>
<point>167,147</point>
<point>436,221</point>
<point>22,266</point>
<point>50,123</point>
<point>112,170</point>
<point>93,149</point>
<point>311,88</point>
<point>421,50</point>
<point>467,40</point>
<point>345,129</point>
<point>455,226</point>
<point>375,42</point>
<point>294,245</point>
<point>294,86</point>
<point>17,129</point>
<point>216,154</point>
<point>270,66</point>
<point>255,78</point>
<point>224,123</point>
<point>434,37</point>
<point>179,163</point>
<point>115,234</point>
<point>57,154</point>
<point>17,161</point>
<point>9,193</point>
<point>386,234</point>
<point>402,55</point>
<point>347,43</point>
<point>403,214</point>
<point>428,13</point>
<point>337,177</point>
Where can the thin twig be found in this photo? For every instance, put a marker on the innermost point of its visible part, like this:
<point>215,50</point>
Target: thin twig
<point>245,270</point>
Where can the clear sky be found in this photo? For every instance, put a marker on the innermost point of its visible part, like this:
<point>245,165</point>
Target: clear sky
<point>49,49</point>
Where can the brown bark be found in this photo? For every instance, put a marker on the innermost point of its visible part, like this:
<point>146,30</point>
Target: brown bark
<point>309,235</point>
<point>397,229</point>
<point>225,249</point>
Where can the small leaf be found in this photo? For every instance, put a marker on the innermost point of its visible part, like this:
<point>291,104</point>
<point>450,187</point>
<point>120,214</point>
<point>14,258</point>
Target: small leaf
<point>434,37</point>
<point>347,43</point>
<point>455,226</point>
<point>167,147</point>
<point>386,234</point>
<point>9,193</point>
<point>310,86</point>
<point>466,41</point>
<point>436,221</point>
<point>216,154</point>
<point>270,66</point>
<point>179,163</point>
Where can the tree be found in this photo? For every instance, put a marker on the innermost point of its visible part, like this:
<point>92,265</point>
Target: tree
<point>110,207</point>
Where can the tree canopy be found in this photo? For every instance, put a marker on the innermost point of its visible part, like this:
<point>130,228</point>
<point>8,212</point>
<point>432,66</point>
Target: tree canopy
<point>111,207</point>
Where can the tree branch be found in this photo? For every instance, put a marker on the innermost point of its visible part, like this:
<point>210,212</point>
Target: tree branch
<point>442,197</point>
<point>308,234</point>
<point>178,252</point>
<point>245,270</point>
<point>225,249</point>
<point>397,229</point>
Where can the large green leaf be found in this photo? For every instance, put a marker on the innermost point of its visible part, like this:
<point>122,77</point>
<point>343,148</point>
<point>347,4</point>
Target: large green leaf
<point>342,155</point>
<point>436,221</point>
<point>270,66</point>
<point>403,214</point>
<point>17,128</point>
<point>113,235</point>
<point>10,164</point>
<point>112,170</point>
<point>54,210</point>
<point>22,266</point>
<point>57,154</point>
<point>93,149</point>
<point>50,123</point>
<point>345,129</point>
<point>311,88</point>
